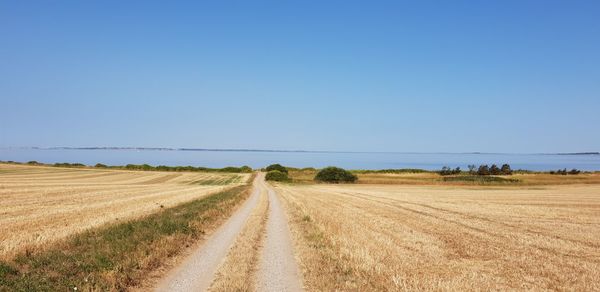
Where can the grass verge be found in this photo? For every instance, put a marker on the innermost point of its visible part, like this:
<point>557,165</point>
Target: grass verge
<point>119,256</point>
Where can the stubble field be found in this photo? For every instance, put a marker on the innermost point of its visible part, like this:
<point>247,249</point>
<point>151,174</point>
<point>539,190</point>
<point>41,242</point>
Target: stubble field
<point>43,204</point>
<point>393,237</point>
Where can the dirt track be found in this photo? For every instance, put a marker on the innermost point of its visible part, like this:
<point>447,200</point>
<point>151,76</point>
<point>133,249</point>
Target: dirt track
<point>277,267</point>
<point>198,271</point>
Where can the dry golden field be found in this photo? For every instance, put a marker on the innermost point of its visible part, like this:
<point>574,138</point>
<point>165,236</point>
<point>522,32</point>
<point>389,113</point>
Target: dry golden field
<point>432,178</point>
<point>392,237</point>
<point>43,204</point>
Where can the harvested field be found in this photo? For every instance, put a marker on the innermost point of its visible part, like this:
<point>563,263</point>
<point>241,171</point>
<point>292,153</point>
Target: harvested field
<point>433,178</point>
<point>44,204</point>
<point>386,237</point>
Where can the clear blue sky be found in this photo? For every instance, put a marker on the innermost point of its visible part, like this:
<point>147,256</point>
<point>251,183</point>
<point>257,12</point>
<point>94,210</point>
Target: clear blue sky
<point>490,76</point>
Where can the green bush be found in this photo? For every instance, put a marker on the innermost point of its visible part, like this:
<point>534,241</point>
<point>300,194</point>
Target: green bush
<point>277,167</point>
<point>100,165</point>
<point>506,170</point>
<point>335,175</point>
<point>276,175</point>
<point>483,170</point>
<point>449,171</point>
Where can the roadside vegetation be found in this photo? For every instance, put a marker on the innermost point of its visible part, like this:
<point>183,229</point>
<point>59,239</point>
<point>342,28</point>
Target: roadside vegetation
<point>277,172</point>
<point>119,256</point>
<point>277,167</point>
<point>276,175</point>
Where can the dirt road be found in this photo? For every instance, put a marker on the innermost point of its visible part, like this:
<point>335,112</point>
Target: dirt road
<point>278,270</point>
<point>277,267</point>
<point>197,272</point>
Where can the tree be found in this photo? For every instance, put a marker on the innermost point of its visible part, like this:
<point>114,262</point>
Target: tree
<point>505,169</point>
<point>494,170</point>
<point>277,167</point>
<point>100,165</point>
<point>483,170</point>
<point>471,168</point>
<point>445,170</point>
<point>449,171</point>
<point>335,175</point>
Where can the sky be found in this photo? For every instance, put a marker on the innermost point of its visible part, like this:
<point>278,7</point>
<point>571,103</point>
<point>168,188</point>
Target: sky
<point>406,76</point>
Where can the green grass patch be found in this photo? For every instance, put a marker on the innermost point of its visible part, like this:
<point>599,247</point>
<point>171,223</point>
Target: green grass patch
<point>476,179</point>
<point>118,256</point>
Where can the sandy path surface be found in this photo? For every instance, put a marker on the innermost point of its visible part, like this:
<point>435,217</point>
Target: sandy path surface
<point>198,270</point>
<point>278,269</point>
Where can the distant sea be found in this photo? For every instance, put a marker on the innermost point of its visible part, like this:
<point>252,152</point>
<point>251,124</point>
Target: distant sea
<point>257,159</point>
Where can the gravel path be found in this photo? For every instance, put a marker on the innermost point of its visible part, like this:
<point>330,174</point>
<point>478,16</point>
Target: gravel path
<point>197,272</point>
<point>278,270</point>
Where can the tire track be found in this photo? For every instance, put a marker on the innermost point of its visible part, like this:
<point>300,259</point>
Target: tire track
<point>198,271</point>
<point>278,269</point>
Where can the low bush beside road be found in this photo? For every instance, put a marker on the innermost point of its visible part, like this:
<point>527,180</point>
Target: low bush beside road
<point>277,167</point>
<point>276,175</point>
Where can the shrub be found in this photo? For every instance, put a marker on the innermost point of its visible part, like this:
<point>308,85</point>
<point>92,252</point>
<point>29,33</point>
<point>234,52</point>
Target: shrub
<point>505,169</point>
<point>494,170</point>
<point>100,165</point>
<point>335,175</point>
<point>245,168</point>
<point>565,172</point>
<point>277,167</point>
<point>471,168</point>
<point>483,170</point>
<point>449,171</point>
<point>276,175</point>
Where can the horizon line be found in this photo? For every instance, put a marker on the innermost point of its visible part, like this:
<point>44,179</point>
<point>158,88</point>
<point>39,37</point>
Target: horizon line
<point>284,151</point>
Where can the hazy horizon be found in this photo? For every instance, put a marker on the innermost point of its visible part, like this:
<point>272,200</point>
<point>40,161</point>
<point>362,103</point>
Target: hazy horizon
<point>151,148</point>
<point>430,77</point>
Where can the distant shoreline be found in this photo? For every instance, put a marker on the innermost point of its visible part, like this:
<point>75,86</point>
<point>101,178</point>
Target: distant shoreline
<point>285,151</point>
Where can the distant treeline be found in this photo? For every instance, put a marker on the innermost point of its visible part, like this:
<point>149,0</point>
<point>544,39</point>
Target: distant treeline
<point>145,167</point>
<point>483,170</point>
<point>565,172</point>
